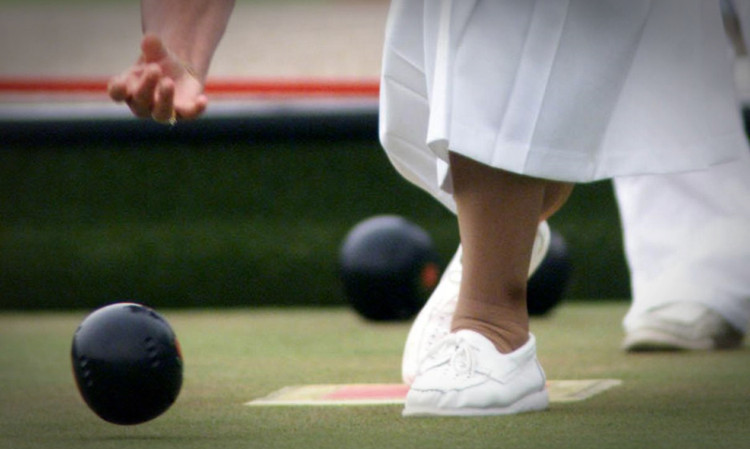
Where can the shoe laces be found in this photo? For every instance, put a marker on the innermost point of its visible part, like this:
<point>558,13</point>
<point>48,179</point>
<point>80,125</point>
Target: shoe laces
<point>455,353</point>
<point>442,318</point>
<point>442,313</point>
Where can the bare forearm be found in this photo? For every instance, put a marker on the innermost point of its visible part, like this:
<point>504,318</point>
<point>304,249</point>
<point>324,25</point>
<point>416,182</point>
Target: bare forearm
<point>191,29</point>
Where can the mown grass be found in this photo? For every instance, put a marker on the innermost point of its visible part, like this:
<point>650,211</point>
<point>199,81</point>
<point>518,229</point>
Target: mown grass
<point>672,400</point>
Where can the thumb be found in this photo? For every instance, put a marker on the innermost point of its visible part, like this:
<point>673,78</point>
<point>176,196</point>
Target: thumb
<point>153,48</point>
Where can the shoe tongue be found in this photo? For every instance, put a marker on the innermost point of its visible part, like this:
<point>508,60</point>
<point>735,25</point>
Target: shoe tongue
<point>476,339</point>
<point>482,343</point>
<point>485,358</point>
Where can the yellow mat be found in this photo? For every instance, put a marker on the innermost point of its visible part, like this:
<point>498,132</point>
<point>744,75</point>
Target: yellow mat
<point>385,393</point>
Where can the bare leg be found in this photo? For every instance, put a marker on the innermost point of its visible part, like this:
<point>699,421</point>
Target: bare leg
<point>556,194</point>
<point>498,214</point>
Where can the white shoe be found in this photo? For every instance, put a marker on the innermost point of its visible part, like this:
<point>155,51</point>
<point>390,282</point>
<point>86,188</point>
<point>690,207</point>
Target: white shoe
<point>434,320</point>
<point>681,326</point>
<point>465,375</point>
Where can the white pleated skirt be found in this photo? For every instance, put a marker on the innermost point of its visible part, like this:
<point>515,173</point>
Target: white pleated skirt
<point>567,90</point>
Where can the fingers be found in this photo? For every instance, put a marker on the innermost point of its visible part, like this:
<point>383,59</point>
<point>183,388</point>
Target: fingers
<point>144,91</point>
<point>158,86</point>
<point>193,109</point>
<point>163,110</point>
<point>117,89</point>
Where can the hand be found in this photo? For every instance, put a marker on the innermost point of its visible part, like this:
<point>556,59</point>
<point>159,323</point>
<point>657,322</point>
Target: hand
<point>159,85</point>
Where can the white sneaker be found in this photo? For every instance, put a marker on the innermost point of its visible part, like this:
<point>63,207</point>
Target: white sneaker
<point>434,320</point>
<point>681,326</point>
<point>465,375</point>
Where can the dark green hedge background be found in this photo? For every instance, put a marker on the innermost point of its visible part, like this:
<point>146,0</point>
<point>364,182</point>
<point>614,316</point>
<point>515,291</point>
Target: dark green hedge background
<point>222,223</point>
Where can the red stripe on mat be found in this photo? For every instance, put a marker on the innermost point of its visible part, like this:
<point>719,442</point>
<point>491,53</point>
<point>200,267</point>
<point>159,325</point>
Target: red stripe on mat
<point>384,391</point>
<point>220,86</point>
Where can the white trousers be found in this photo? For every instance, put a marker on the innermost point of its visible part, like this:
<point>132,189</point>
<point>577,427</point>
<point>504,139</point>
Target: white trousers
<point>687,238</point>
<point>570,90</point>
<point>580,90</point>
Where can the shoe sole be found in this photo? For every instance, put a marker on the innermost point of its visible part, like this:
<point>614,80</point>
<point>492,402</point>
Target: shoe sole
<point>534,402</point>
<point>652,340</point>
